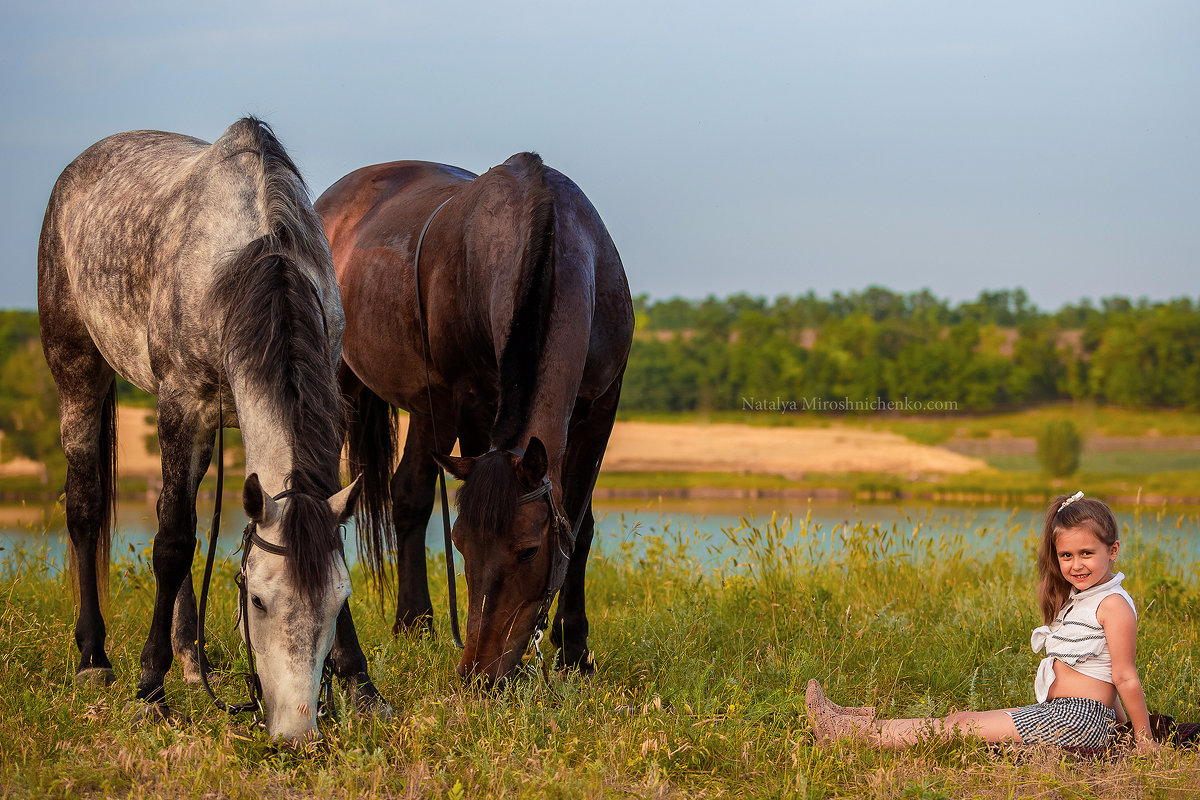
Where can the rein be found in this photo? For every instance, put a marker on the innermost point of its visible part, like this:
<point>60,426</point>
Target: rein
<point>450,586</point>
<point>250,538</point>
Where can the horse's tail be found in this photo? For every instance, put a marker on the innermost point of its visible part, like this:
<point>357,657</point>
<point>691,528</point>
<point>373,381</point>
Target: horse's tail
<point>522,351</point>
<point>371,442</point>
<point>106,478</point>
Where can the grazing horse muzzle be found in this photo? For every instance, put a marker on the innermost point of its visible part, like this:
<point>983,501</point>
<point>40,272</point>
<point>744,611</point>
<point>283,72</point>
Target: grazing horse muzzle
<point>289,633</point>
<point>510,612</point>
<point>495,643</point>
<point>289,642</point>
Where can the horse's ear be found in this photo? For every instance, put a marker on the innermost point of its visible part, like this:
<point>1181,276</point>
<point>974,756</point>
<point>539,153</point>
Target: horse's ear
<point>260,508</point>
<point>342,504</point>
<point>532,466</point>
<point>458,466</point>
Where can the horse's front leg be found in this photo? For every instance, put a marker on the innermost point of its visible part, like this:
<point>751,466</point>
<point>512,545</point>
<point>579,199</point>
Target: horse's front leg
<point>350,665</point>
<point>570,628</point>
<point>586,442</point>
<point>185,632</point>
<point>186,447</point>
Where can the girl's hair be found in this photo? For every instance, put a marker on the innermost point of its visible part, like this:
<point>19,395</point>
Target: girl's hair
<point>1053,588</point>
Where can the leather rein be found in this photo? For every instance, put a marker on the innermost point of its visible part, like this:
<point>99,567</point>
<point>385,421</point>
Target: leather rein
<point>560,525</point>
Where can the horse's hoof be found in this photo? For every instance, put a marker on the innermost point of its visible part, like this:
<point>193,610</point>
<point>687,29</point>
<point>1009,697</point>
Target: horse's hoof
<point>141,712</point>
<point>584,666</point>
<point>102,676</point>
<point>420,625</point>
<point>366,698</point>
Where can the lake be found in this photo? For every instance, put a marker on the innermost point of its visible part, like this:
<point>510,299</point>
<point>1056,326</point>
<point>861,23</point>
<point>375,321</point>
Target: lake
<point>714,534</point>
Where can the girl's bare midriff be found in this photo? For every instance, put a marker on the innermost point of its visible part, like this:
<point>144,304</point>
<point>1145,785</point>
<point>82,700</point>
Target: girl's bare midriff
<point>1070,683</point>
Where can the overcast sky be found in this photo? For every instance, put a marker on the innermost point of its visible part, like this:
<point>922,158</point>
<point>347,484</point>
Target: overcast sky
<point>772,148</point>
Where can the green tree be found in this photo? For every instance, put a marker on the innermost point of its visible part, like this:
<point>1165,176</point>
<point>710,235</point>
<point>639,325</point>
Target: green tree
<point>1059,446</point>
<point>29,409</point>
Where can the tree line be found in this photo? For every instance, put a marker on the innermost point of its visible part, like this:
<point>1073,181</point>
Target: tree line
<point>882,349</point>
<point>859,351</point>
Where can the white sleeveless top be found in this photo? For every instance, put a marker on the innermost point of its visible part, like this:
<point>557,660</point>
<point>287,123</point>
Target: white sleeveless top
<point>1076,637</point>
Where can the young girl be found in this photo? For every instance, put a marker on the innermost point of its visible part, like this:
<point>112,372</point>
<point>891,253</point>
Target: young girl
<point>1090,641</point>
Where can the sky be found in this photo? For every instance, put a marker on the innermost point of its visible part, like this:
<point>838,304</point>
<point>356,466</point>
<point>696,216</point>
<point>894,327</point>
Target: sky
<point>762,147</point>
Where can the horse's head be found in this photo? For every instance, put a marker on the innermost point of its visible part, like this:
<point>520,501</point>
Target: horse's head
<point>511,534</point>
<point>295,584</point>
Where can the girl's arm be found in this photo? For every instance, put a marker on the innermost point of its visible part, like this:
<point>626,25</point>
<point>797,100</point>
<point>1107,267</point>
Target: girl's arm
<point>1120,629</point>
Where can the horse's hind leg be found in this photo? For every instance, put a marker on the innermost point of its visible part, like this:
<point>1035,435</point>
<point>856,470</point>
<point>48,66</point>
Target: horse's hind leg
<point>186,446</point>
<point>88,420</point>
<point>412,499</point>
<point>587,439</point>
<point>87,416</point>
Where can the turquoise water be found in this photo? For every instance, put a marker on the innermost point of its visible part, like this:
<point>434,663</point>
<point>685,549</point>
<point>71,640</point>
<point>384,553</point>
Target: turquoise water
<point>712,534</point>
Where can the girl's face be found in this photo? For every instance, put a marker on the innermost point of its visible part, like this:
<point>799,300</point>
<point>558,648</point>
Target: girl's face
<point>1084,559</point>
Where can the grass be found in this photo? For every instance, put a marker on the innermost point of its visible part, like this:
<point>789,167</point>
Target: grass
<point>937,428</point>
<point>698,691</point>
<point>1132,462</point>
<point>1123,489</point>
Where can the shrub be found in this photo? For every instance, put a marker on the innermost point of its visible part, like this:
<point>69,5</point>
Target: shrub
<point>1058,447</point>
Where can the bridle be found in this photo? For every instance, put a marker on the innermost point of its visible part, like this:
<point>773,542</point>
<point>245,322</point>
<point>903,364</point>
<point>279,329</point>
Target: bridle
<point>564,533</point>
<point>561,528</point>
<point>250,538</point>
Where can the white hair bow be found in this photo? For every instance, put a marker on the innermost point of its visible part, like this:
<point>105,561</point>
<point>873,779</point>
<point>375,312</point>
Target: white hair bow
<point>1069,500</point>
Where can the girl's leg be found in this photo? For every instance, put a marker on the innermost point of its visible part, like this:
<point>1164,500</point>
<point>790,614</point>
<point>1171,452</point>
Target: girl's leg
<point>991,726</point>
<point>828,723</point>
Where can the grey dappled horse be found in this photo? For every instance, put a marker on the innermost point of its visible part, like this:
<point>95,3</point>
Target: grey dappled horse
<point>200,273</point>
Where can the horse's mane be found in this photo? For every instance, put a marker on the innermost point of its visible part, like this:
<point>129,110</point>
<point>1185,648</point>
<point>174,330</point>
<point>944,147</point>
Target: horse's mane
<point>487,501</point>
<point>275,336</point>
<point>522,351</point>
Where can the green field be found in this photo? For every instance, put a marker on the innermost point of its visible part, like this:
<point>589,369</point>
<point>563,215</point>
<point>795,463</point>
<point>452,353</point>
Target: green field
<point>698,691</point>
<point>1090,418</point>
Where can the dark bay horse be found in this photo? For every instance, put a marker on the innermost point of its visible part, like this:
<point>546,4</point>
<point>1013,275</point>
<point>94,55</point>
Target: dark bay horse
<point>201,274</point>
<point>529,323</point>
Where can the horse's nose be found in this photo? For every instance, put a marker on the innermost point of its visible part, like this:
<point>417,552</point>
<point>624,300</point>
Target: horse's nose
<point>299,742</point>
<point>472,675</point>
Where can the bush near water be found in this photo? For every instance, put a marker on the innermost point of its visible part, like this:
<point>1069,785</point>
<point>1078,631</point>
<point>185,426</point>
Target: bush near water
<point>1059,447</point>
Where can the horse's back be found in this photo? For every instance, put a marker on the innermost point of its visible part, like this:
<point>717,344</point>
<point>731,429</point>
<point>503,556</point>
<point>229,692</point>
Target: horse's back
<point>583,242</point>
<point>136,228</point>
<point>100,232</point>
<point>374,215</point>
<point>367,204</point>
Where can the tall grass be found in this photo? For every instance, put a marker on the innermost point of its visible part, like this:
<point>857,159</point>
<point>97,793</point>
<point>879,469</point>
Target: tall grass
<point>701,666</point>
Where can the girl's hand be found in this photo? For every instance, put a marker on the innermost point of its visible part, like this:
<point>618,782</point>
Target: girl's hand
<point>1145,745</point>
